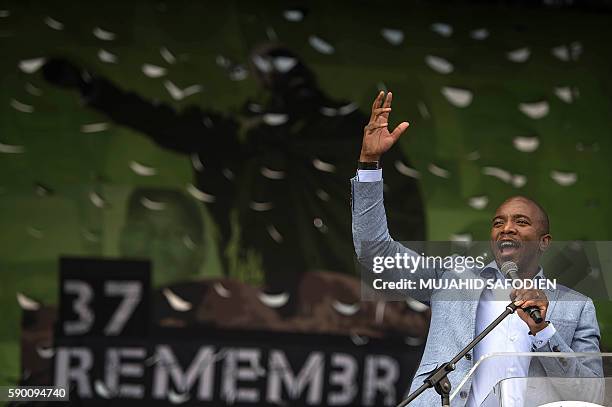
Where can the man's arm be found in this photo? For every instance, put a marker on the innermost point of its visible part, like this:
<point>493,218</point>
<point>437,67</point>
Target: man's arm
<point>371,236</point>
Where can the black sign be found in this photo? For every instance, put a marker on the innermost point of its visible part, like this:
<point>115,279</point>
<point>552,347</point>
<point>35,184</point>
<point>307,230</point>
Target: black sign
<point>100,297</point>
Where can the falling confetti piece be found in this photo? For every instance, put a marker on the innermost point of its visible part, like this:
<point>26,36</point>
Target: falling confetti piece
<point>197,162</point>
<point>272,174</point>
<point>153,71</point>
<point>275,119</point>
<point>97,200</point>
<point>167,55</point>
<point>45,353</point>
<point>27,303</point>
<point>535,110</point>
<point>238,73</point>
<point>103,35</point>
<point>179,94</point>
<point>177,398</point>
<point>274,234</point>
<point>323,166</point>
<point>199,194</point>
<point>439,64</point>
<point>105,56</point>
<point>261,206</point>
<point>152,205</point>
<point>102,390</point>
<point>345,309</point>
<point>4,13</point>
<point>320,45</point>
<point>22,107</point>
<point>274,300</point>
<point>11,149</point>
<point>188,242</point>
<point>221,290</point>
<point>565,93</point>
<point>53,23</point>
<point>406,170</point>
<point>498,173</point>
<point>443,29</point>
<point>94,127</point>
<point>479,34</point>
<point>322,195</point>
<point>461,237</point>
<point>416,305</point>
<point>478,202</point>
<point>295,16</point>
<point>32,90</point>
<point>520,55</point>
<point>518,181</point>
<point>176,302</point>
<point>564,179</point>
<point>473,156</point>
<point>393,36</point>
<point>526,144</point>
<point>437,171</point>
<point>141,169</point>
<point>423,110</point>
<point>284,64</point>
<point>35,233</point>
<point>31,65</point>
<point>457,97</point>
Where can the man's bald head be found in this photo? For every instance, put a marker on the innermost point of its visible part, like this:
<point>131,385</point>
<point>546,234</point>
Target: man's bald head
<point>543,216</point>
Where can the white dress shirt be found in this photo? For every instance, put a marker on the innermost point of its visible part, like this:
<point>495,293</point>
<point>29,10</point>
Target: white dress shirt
<point>511,335</point>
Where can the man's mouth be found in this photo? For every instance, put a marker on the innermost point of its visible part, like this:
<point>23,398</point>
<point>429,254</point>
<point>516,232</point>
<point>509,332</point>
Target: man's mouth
<point>508,246</point>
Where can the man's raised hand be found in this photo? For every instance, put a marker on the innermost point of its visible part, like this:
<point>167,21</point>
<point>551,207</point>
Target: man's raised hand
<point>376,137</point>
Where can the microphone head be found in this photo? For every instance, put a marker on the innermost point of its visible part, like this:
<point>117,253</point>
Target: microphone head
<point>510,269</point>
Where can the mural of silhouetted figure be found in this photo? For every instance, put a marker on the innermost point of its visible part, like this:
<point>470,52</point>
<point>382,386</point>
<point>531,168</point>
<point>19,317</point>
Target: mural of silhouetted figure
<point>166,227</point>
<point>280,168</point>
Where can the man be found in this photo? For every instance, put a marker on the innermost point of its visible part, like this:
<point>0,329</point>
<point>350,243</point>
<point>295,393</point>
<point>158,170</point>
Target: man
<point>519,233</point>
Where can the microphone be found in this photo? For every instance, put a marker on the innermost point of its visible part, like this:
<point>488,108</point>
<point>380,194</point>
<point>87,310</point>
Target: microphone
<point>509,268</point>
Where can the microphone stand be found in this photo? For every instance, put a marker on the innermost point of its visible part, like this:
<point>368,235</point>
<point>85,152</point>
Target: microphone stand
<point>438,379</point>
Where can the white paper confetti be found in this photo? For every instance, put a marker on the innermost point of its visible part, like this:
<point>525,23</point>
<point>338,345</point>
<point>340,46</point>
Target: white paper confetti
<point>295,16</point>
<point>526,144</point>
<point>439,64</point>
<point>445,30</point>
<point>11,148</point>
<point>105,56</point>
<point>323,166</point>
<point>272,174</point>
<point>22,107</point>
<point>179,94</point>
<point>53,23</point>
<point>406,170</point>
<point>321,45</point>
<point>479,34</point>
<point>261,206</point>
<point>199,194</point>
<point>498,173</point>
<point>275,119</point>
<point>151,204</point>
<point>566,94</point>
<point>26,303</point>
<point>94,127</point>
<point>153,71</point>
<point>519,55</point>
<point>438,171</point>
<point>142,169</point>
<point>103,35</point>
<point>564,179</point>
<point>478,202</point>
<point>97,200</point>
<point>274,234</point>
<point>31,65</point>
<point>176,302</point>
<point>393,36</point>
<point>457,97</point>
<point>536,110</point>
<point>274,300</point>
<point>167,55</point>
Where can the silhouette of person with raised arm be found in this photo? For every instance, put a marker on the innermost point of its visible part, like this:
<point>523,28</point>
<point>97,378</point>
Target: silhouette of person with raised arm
<point>278,171</point>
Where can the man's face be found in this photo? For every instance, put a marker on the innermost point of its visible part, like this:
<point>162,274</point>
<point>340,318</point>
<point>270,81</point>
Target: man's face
<point>517,234</point>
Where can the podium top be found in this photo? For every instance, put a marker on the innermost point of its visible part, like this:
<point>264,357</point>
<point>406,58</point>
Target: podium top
<point>540,378</point>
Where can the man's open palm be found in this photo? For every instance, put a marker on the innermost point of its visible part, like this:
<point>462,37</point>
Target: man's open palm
<point>376,137</point>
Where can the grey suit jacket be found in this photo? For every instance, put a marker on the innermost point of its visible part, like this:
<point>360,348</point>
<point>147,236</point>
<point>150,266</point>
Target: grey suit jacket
<point>453,323</point>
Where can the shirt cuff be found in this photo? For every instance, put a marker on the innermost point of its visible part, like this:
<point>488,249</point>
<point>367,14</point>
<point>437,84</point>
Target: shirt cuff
<point>369,175</point>
<point>541,338</point>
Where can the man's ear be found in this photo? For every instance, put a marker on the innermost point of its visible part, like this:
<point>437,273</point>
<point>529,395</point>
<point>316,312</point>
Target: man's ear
<point>545,241</point>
